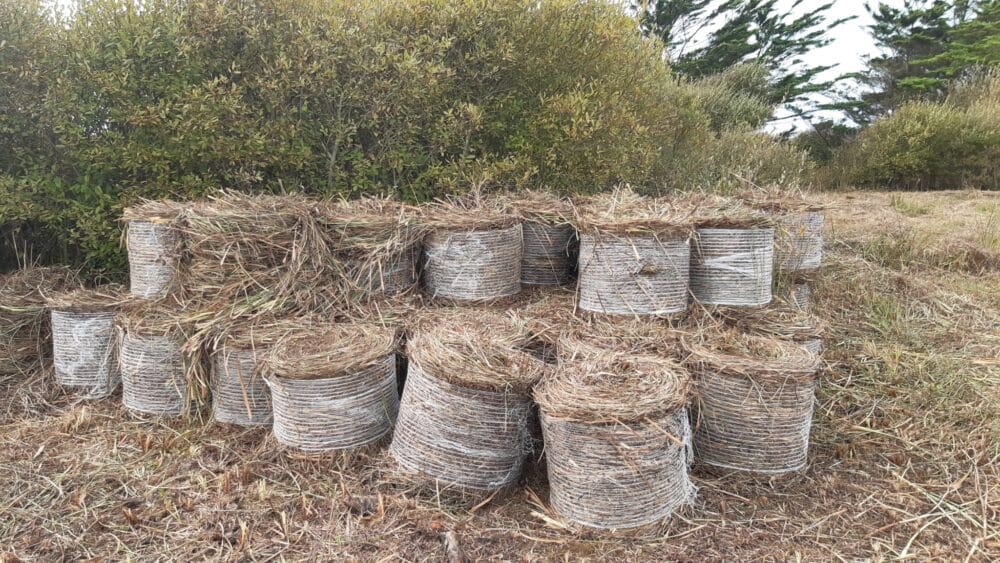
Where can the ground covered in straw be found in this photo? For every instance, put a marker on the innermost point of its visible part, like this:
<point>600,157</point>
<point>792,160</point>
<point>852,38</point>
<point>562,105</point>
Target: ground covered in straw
<point>904,461</point>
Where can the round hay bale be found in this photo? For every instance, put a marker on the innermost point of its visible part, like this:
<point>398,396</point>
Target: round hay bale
<point>84,352</point>
<point>636,275</point>
<point>152,257</point>
<point>799,240</point>
<point>239,394</point>
<point>463,419</point>
<point>333,388</point>
<point>84,345</point>
<point>547,256</point>
<point>755,407</point>
<point>732,266</point>
<point>153,374</point>
<point>473,265</point>
<point>617,438</point>
<point>549,238</point>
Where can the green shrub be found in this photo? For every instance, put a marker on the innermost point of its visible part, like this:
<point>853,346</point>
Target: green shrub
<point>925,145</point>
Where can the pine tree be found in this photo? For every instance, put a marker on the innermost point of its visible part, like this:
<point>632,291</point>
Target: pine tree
<point>750,31</point>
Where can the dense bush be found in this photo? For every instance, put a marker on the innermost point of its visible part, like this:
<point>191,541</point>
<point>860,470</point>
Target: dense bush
<point>926,145</point>
<point>415,98</point>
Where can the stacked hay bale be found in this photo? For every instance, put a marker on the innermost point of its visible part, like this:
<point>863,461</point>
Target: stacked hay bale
<point>377,242</point>
<point>782,320</point>
<point>798,237</point>
<point>733,256</point>
<point>154,368</point>
<point>617,437</point>
<point>634,255</point>
<point>473,250</point>
<point>755,401</point>
<point>240,395</point>
<point>24,324</point>
<point>333,387</point>
<point>84,340</point>
<point>549,238</point>
<point>154,247</point>
<point>463,420</point>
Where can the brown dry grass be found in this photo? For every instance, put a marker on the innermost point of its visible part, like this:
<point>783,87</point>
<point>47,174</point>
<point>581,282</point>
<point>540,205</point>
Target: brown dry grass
<point>905,462</point>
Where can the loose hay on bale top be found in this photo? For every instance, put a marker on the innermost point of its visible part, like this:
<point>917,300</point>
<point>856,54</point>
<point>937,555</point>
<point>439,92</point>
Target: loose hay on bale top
<point>634,255</point>
<point>333,387</point>
<point>755,401</point>
<point>377,241</point>
<point>617,436</point>
<point>155,247</point>
<point>732,258</point>
<point>463,419</point>
<point>25,332</point>
<point>552,317</point>
<point>473,250</point>
<point>549,237</point>
<point>84,340</point>
<point>263,249</point>
<point>154,369</point>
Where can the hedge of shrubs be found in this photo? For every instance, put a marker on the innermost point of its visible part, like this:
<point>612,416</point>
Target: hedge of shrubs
<point>122,99</point>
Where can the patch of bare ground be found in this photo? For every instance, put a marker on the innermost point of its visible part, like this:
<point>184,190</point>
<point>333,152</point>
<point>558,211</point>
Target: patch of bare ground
<point>904,461</point>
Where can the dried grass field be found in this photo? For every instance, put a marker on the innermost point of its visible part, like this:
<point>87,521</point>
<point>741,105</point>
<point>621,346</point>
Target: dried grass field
<point>904,463</point>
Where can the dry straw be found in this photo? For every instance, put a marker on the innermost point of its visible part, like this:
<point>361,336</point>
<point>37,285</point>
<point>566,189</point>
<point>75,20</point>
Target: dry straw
<point>549,237</point>
<point>154,369</point>
<point>755,401</point>
<point>801,295</point>
<point>473,251</point>
<point>154,247</point>
<point>84,342</point>
<point>634,254</point>
<point>463,420</point>
<point>24,323</point>
<point>264,252</point>
<point>333,387</point>
<point>617,437</point>
<point>376,241</point>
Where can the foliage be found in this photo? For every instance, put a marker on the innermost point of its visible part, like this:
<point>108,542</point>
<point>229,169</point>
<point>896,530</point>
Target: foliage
<point>823,139</point>
<point>751,31</point>
<point>926,45</point>
<point>928,145</point>
<point>414,98</point>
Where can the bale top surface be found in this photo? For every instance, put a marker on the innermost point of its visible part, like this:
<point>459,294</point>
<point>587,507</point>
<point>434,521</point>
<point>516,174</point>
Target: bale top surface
<point>476,348</point>
<point>625,212</point>
<point>334,350</point>
<point>541,207</point>
<point>473,212</point>
<point>776,199</point>
<point>734,352</point>
<point>600,386</point>
<point>155,211</point>
<point>28,288</point>
<point>89,300</point>
<point>369,225</point>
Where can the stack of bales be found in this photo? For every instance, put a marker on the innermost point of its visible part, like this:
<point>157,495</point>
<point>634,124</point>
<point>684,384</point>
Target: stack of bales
<point>84,340</point>
<point>634,255</point>
<point>755,401</point>
<point>617,437</point>
<point>550,242</point>
<point>733,256</point>
<point>463,421</point>
<point>473,250</point>
<point>24,324</point>
<point>333,387</point>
